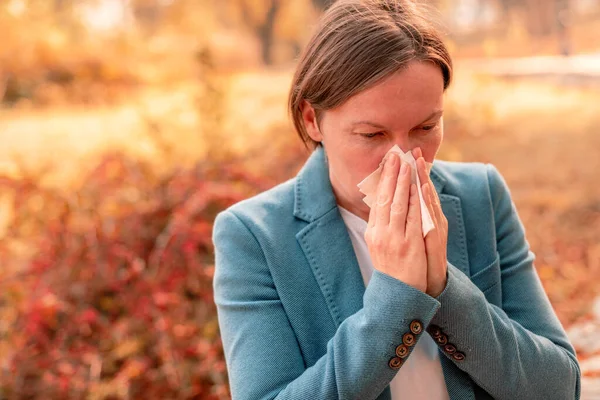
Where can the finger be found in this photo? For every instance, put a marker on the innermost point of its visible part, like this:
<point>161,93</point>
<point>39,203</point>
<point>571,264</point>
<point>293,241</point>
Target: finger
<point>399,208</point>
<point>422,171</point>
<point>433,243</point>
<point>426,190</point>
<point>413,217</point>
<point>424,177</point>
<point>435,201</point>
<point>435,257</point>
<point>386,189</point>
<point>417,152</point>
<point>372,215</point>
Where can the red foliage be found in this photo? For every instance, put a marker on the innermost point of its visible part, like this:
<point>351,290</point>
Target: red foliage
<point>113,295</point>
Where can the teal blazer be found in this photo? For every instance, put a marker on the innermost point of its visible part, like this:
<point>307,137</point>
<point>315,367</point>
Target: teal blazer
<point>297,322</point>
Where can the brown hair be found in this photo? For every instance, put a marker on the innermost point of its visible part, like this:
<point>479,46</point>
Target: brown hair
<point>357,44</point>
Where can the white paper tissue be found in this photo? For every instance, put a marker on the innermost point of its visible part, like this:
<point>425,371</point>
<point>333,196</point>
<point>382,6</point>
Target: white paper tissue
<point>368,186</point>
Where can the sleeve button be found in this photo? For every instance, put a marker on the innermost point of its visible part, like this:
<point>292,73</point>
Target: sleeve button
<point>434,331</point>
<point>450,348</point>
<point>416,327</point>
<point>402,351</point>
<point>442,339</point>
<point>458,356</point>
<point>395,363</point>
<point>408,339</point>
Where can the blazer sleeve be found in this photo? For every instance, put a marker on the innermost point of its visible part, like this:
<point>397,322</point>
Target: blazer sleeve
<point>519,351</point>
<point>264,360</point>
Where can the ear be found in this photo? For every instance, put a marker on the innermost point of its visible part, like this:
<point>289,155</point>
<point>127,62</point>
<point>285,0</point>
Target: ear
<point>309,118</point>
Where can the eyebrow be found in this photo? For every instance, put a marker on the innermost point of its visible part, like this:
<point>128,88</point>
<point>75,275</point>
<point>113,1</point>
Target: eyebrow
<point>434,114</point>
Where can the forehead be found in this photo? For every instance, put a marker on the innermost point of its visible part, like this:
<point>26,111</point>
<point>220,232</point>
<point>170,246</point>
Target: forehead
<point>405,97</point>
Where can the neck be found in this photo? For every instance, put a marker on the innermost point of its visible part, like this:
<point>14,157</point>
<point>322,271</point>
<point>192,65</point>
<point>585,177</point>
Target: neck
<point>361,210</point>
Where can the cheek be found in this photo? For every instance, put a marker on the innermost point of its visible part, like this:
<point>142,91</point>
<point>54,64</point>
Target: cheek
<point>360,159</point>
<point>357,169</point>
<point>369,161</point>
<point>431,145</point>
<point>355,160</point>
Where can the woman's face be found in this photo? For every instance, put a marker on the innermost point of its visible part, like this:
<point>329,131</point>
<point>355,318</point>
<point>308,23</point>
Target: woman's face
<point>404,109</point>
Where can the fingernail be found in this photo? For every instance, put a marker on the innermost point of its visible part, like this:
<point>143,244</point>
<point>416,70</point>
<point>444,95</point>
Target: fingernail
<point>404,168</point>
<point>413,189</point>
<point>383,161</point>
<point>392,160</point>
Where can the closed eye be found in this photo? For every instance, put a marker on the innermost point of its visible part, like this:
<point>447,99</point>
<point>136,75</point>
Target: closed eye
<point>428,128</point>
<point>371,135</point>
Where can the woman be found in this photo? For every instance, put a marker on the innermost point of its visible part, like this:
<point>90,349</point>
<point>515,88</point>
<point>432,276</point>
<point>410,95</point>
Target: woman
<point>321,297</point>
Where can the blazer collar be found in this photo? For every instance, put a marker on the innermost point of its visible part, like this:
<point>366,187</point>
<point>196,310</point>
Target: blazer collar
<point>313,195</point>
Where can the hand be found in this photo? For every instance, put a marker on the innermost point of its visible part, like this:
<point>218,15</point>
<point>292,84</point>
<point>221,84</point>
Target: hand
<point>394,235</point>
<point>437,239</point>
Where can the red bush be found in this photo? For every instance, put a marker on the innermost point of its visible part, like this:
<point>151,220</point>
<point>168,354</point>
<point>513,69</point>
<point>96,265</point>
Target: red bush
<point>112,297</point>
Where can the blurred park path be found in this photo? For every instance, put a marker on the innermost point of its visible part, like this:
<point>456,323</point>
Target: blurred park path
<point>69,139</point>
<point>577,69</point>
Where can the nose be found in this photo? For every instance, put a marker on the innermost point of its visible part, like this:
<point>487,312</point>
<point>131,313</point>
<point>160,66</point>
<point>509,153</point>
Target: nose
<point>404,144</point>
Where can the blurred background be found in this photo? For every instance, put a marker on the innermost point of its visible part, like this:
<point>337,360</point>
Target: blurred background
<point>126,125</point>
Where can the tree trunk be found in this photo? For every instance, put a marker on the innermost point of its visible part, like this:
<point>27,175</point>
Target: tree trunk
<point>322,4</point>
<point>563,24</point>
<point>540,17</point>
<point>265,32</point>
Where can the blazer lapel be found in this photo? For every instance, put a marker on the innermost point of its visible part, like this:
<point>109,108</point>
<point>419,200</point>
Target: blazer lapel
<point>451,206</point>
<point>325,240</point>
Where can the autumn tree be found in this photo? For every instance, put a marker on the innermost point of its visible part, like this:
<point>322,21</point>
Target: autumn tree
<point>259,17</point>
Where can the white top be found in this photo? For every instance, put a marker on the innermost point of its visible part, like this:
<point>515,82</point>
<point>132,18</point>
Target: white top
<point>421,375</point>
